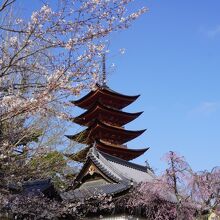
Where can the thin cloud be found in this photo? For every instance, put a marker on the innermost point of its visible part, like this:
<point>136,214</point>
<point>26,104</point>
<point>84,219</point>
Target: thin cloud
<point>205,109</point>
<point>211,33</point>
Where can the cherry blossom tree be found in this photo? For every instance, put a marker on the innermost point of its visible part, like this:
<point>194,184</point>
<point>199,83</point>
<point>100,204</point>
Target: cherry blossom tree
<point>54,53</point>
<point>39,207</point>
<point>205,189</point>
<point>179,193</point>
<point>166,197</point>
<point>46,59</point>
<point>47,56</point>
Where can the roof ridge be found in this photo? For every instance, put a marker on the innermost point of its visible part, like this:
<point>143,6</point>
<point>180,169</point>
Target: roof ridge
<point>124,162</point>
<point>112,168</point>
<point>108,165</point>
<point>96,160</point>
<point>107,88</point>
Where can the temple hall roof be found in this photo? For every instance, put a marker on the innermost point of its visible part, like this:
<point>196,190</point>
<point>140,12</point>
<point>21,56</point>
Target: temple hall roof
<point>90,192</point>
<point>122,175</point>
<point>117,169</point>
<point>37,187</point>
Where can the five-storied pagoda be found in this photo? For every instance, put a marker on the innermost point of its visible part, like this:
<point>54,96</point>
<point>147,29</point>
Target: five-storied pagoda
<point>106,158</point>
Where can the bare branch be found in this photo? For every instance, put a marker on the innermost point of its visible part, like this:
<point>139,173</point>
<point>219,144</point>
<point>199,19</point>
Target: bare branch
<point>5,4</point>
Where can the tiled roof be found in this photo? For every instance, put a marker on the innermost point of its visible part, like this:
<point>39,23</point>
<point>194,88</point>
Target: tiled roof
<point>126,170</point>
<point>84,136</point>
<point>37,186</point>
<point>98,106</point>
<point>124,162</point>
<point>103,165</point>
<point>86,193</point>
<point>119,151</point>
<point>105,89</point>
<point>135,175</point>
<point>116,169</point>
<point>114,92</point>
<point>121,172</point>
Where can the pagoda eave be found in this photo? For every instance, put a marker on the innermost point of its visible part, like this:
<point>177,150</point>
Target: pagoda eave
<point>100,130</point>
<point>120,152</point>
<point>103,113</point>
<point>107,96</point>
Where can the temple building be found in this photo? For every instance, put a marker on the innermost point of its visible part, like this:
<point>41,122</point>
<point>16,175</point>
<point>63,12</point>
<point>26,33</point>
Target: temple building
<point>107,167</point>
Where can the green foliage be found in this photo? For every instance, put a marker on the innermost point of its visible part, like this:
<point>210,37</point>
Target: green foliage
<point>49,164</point>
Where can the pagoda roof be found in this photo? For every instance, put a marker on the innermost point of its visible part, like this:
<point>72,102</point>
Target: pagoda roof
<point>101,130</point>
<point>108,96</point>
<point>100,110</point>
<point>115,150</point>
<point>118,151</point>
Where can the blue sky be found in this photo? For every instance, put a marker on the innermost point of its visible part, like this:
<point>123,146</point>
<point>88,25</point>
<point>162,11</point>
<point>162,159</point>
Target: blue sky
<point>173,60</point>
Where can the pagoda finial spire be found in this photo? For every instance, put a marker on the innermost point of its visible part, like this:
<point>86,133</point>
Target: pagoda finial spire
<point>104,80</point>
